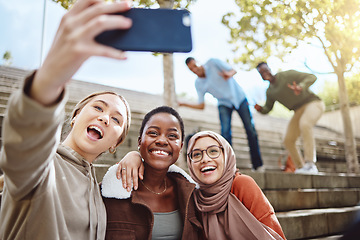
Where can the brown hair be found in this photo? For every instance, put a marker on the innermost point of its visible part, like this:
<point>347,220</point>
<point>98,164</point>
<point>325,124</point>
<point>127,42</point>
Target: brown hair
<point>87,99</point>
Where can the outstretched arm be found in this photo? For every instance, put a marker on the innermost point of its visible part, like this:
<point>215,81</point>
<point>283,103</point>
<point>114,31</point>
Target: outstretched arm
<point>267,107</point>
<point>74,43</point>
<point>31,127</point>
<point>200,106</point>
<point>258,107</point>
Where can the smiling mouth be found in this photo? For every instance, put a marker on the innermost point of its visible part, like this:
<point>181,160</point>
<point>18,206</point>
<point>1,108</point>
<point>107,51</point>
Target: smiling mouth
<point>160,152</point>
<point>95,132</point>
<point>207,169</point>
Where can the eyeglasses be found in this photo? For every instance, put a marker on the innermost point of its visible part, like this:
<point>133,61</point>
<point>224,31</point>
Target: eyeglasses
<point>212,151</point>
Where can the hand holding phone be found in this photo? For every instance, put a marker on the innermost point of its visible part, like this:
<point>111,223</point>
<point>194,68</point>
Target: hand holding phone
<point>153,30</point>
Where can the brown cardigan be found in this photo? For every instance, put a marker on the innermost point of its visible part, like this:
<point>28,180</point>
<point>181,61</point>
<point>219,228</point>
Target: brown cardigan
<point>131,218</point>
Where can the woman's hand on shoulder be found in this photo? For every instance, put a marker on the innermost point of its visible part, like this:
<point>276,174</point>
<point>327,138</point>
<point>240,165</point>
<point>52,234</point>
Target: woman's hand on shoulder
<point>130,169</point>
<point>75,42</point>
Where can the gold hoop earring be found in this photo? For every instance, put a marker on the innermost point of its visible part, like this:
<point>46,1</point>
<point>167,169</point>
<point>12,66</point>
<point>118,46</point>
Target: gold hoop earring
<point>72,123</point>
<point>112,150</point>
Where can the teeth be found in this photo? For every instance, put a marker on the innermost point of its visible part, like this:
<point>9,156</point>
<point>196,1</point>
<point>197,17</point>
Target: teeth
<point>97,129</point>
<point>208,168</point>
<point>160,152</point>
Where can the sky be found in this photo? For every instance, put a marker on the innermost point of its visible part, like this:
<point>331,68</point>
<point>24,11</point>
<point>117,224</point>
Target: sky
<point>21,33</point>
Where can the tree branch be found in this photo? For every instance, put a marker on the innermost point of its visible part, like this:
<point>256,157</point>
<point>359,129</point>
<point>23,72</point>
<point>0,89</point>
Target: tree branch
<point>315,72</point>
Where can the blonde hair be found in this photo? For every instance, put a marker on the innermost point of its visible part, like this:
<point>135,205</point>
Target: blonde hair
<point>87,99</point>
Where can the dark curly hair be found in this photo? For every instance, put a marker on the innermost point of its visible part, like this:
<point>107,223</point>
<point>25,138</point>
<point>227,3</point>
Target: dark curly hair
<point>189,59</point>
<point>163,109</point>
<point>261,63</point>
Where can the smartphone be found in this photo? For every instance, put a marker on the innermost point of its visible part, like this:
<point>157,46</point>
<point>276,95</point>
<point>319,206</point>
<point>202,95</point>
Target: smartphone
<point>153,30</point>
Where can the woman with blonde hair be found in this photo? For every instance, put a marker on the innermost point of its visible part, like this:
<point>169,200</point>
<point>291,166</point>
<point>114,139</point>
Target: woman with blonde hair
<point>50,189</point>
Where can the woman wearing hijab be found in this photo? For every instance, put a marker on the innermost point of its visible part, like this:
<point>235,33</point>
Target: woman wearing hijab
<point>232,205</point>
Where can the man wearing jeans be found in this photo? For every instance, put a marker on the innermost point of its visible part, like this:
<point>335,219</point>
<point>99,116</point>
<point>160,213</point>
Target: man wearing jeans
<point>291,89</point>
<point>216,78</point>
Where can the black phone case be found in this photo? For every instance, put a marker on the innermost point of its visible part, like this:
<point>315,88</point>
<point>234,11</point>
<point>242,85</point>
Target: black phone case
<point>154,30</point>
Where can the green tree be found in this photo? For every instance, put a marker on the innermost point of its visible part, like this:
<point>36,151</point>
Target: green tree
<point>7,57</point>
<point>176,3</point>
<point>168,66</point>
<point>267,28</point>
<point>329,93</point>
<point>353,87</point>
<point>65,3</point>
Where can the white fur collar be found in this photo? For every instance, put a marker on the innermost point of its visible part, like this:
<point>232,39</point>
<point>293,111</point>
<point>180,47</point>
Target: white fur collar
<point>111,187</point>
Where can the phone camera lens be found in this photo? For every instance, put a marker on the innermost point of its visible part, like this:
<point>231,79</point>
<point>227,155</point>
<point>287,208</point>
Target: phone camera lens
<point>186,20</point>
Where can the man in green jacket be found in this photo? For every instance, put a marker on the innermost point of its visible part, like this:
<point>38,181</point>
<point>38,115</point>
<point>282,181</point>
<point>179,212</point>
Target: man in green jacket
<point>291,89</point>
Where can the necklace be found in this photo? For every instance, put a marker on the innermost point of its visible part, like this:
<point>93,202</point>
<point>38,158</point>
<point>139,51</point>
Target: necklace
<point>157,193</point>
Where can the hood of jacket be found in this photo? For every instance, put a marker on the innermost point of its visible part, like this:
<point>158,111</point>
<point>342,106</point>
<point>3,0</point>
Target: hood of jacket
<point>71,156</point>
<point>111,187</point>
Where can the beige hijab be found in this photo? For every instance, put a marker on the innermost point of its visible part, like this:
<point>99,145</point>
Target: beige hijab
<point>223,215</point>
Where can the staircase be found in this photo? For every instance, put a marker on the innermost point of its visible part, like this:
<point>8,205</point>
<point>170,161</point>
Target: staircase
<point>311,206</point>
<point>307,206</point>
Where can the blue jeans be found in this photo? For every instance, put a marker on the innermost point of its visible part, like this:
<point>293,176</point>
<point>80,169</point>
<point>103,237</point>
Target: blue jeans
<point>245,115</point>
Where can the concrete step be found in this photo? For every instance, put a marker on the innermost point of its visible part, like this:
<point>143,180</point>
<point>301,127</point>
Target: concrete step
<point>332,166</point>
<point>305,224</point>
<point>286,181</point>
<point>320,211</point>
<point>331,237</point>
<point>286,200</point>
<point>292,184</point>
<point>310,206</point>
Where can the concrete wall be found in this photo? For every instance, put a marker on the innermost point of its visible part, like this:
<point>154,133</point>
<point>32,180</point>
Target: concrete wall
<point>333,120</point>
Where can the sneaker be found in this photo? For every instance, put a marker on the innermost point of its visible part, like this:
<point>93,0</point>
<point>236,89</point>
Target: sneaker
<point>260,169</point>
<point>308,168</point>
